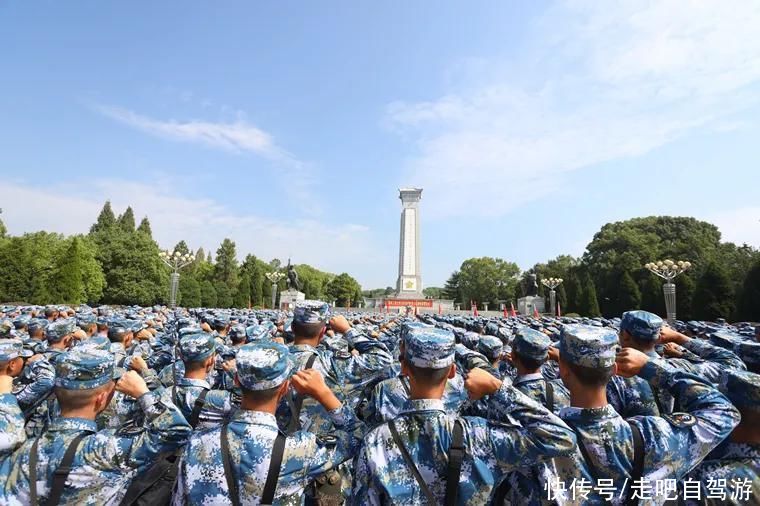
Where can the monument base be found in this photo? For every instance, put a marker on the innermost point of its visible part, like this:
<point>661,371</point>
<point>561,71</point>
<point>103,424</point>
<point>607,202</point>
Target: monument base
<point>527,305</point>
<point>288,299</point>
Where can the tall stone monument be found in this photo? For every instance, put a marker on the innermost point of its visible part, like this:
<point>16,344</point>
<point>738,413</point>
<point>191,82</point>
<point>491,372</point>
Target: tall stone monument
<point>409,283</point>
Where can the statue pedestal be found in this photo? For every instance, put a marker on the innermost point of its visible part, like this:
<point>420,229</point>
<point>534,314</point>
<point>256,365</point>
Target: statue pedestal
<point>288,299</point>
<point>526,305</point>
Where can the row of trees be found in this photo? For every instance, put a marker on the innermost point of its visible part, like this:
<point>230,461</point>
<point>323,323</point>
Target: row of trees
<point>610,278</point>
<point>118,263</point>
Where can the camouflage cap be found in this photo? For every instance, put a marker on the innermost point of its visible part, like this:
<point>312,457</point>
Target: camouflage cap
<point>6,329</point>
<point>36,324</point>
<point>749,352</point>
<point>588,346</point>
<point>725,339</point>
<point>429,347</point>
<point>531,344</point>
<point>13,348</point>
<point>196,347</point>
<point>490,346</point>
<point>263,365</point>
<point>95,343</point>
<point>470,339</point>
<point>86,319</point>
<point>220,320</point>
<point>311,311</point>
<point>237,332</point>
<point>57,330</point>
<point>641,325</point>
<point>257,333</point>
<point>84,369</point>
<point>742,388</point>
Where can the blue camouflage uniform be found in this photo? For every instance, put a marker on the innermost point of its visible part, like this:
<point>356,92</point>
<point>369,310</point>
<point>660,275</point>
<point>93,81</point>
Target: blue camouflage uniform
<point>518,432</point>
<point>347,375</point>
<point>673,444</point>
<point>534,345</point>
<point>730,474</point>
<point>634,396</point>
<point>105,462</point>
<point>260,366</point>
<point>12,433</point>
<point>218,404</point>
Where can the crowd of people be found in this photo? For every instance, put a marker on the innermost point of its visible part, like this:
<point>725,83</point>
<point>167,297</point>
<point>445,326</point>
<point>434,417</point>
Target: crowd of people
<point>137,405</point>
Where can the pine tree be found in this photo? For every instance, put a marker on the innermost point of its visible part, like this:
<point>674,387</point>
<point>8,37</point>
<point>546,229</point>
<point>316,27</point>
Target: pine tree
<point>208,294</point>
<point>589,306</point>
<point>223,295</point>
<point>226,268</point>
<point>200,256</point>
<point>629,295</point>
<point>106,219</point>
<point>713,296</point>
<point>451,288</point>
<point>209,258</point>
<point>145,227</point>
<point>190,291</point>
<point>749,303</point>
<point>66,280</point>
<point>182,248</point>
<point>127,220</point>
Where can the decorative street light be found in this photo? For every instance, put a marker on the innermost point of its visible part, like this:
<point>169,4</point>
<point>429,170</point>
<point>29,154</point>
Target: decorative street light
<point>175,261</point>
<point>551,284</point>
<point>668,270</point>
<point>274,278</point>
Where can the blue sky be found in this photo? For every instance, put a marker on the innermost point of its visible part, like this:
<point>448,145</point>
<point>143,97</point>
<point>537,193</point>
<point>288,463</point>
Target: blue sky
<point>289,126</point>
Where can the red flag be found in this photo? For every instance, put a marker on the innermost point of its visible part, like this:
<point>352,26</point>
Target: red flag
<point>535,312</point>
<point>559,310</point>
<point>415,310</point>
<point>440,311</point>
<point>474,309</point>
<point>514,313</point>
<point>505,310</point>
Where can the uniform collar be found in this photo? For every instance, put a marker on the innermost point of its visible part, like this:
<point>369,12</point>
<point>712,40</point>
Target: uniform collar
<point>528,377</point>
<point>192,382</point>
<point>248,416</point>
<point>584,415</point>
<point>73,424</point>
<point>302,347</point>
<point>423,405</point>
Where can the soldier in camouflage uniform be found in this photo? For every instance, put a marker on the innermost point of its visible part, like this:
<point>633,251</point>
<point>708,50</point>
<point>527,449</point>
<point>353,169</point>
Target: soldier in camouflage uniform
<point>104,462</point>
<point>198,355</point>
<point>634,396</point>
<point>714,359</point>
<point>12,434</point>
<point>263,372</point>
<point>518,432</point>
<point>730,474</point>
<point>673,444</point>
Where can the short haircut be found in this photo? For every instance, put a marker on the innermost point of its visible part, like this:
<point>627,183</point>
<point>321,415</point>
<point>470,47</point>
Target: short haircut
<point>307,330</point>
<point>77,399</point>
<point>87,326</point>
<point>527,362</point>
<point>590,376</point>
<point>427,375</point>
<point>102,327</point>
<point>220,326</point>
<point>261,395</point>
<point>195,365</point>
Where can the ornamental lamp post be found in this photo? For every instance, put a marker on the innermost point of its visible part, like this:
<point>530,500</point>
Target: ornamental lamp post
<point>175,261</point>
<point>274,277</point>
<point>668,270</point>
<point>551,284</point>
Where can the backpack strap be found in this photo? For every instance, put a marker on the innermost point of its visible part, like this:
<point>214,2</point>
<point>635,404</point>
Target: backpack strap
<point>405,384</point>
<point>549,395</point>
<point>64,468</point>
<point>295,405</point>
<point>584,452</point>
<point>200,401</point>
<point>454,469</point>
<point>638,462</point>
<point>33,473</point>
<point>29,411</point>
<point>275,463</point>
<point>410,463</point>
<point>229,472</point>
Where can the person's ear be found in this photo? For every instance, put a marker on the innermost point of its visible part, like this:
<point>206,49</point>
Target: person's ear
<point>614,369</point>
<point>16,366</point>
<point>210,361</point>
<point>452,371</point>
<point>103,399</point>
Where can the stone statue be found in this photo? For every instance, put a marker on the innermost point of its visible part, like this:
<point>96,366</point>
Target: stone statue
<point>292,281</point>
<point>530,286</point>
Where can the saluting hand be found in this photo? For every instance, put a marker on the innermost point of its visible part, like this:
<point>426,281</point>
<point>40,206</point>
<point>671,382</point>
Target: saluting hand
<point>310,382</point>
<point>480,383</point>
<point>132,384</point>
<point>630,362</point>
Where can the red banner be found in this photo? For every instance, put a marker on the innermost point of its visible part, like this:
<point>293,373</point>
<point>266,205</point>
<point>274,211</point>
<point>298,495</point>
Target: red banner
<point>409,302</point>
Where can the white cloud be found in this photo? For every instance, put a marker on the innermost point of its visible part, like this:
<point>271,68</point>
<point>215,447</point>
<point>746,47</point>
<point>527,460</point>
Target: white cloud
<point>620,80</point>
<point>201,222</point>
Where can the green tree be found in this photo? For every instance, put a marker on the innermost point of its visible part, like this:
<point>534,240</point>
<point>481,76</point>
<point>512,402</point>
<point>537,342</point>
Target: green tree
<point>189,291</point>
<point>3,230</point>
<point>487,280</point>
<point>208,294</point>
<point>223,295</point>
<point>629,295</point>
<point>713,296</point>
<point>182,248</point>
<point>106,219</point>
<point>343,288</point>
<point>226,267</point>
<point>749,303</point>
<point>685,287</point>
<point>77,276</point>
<point>127,220</point>
<point>451,289</point>
<point>588,304</point>
<point>432,292</point>
<point>145,227</point>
